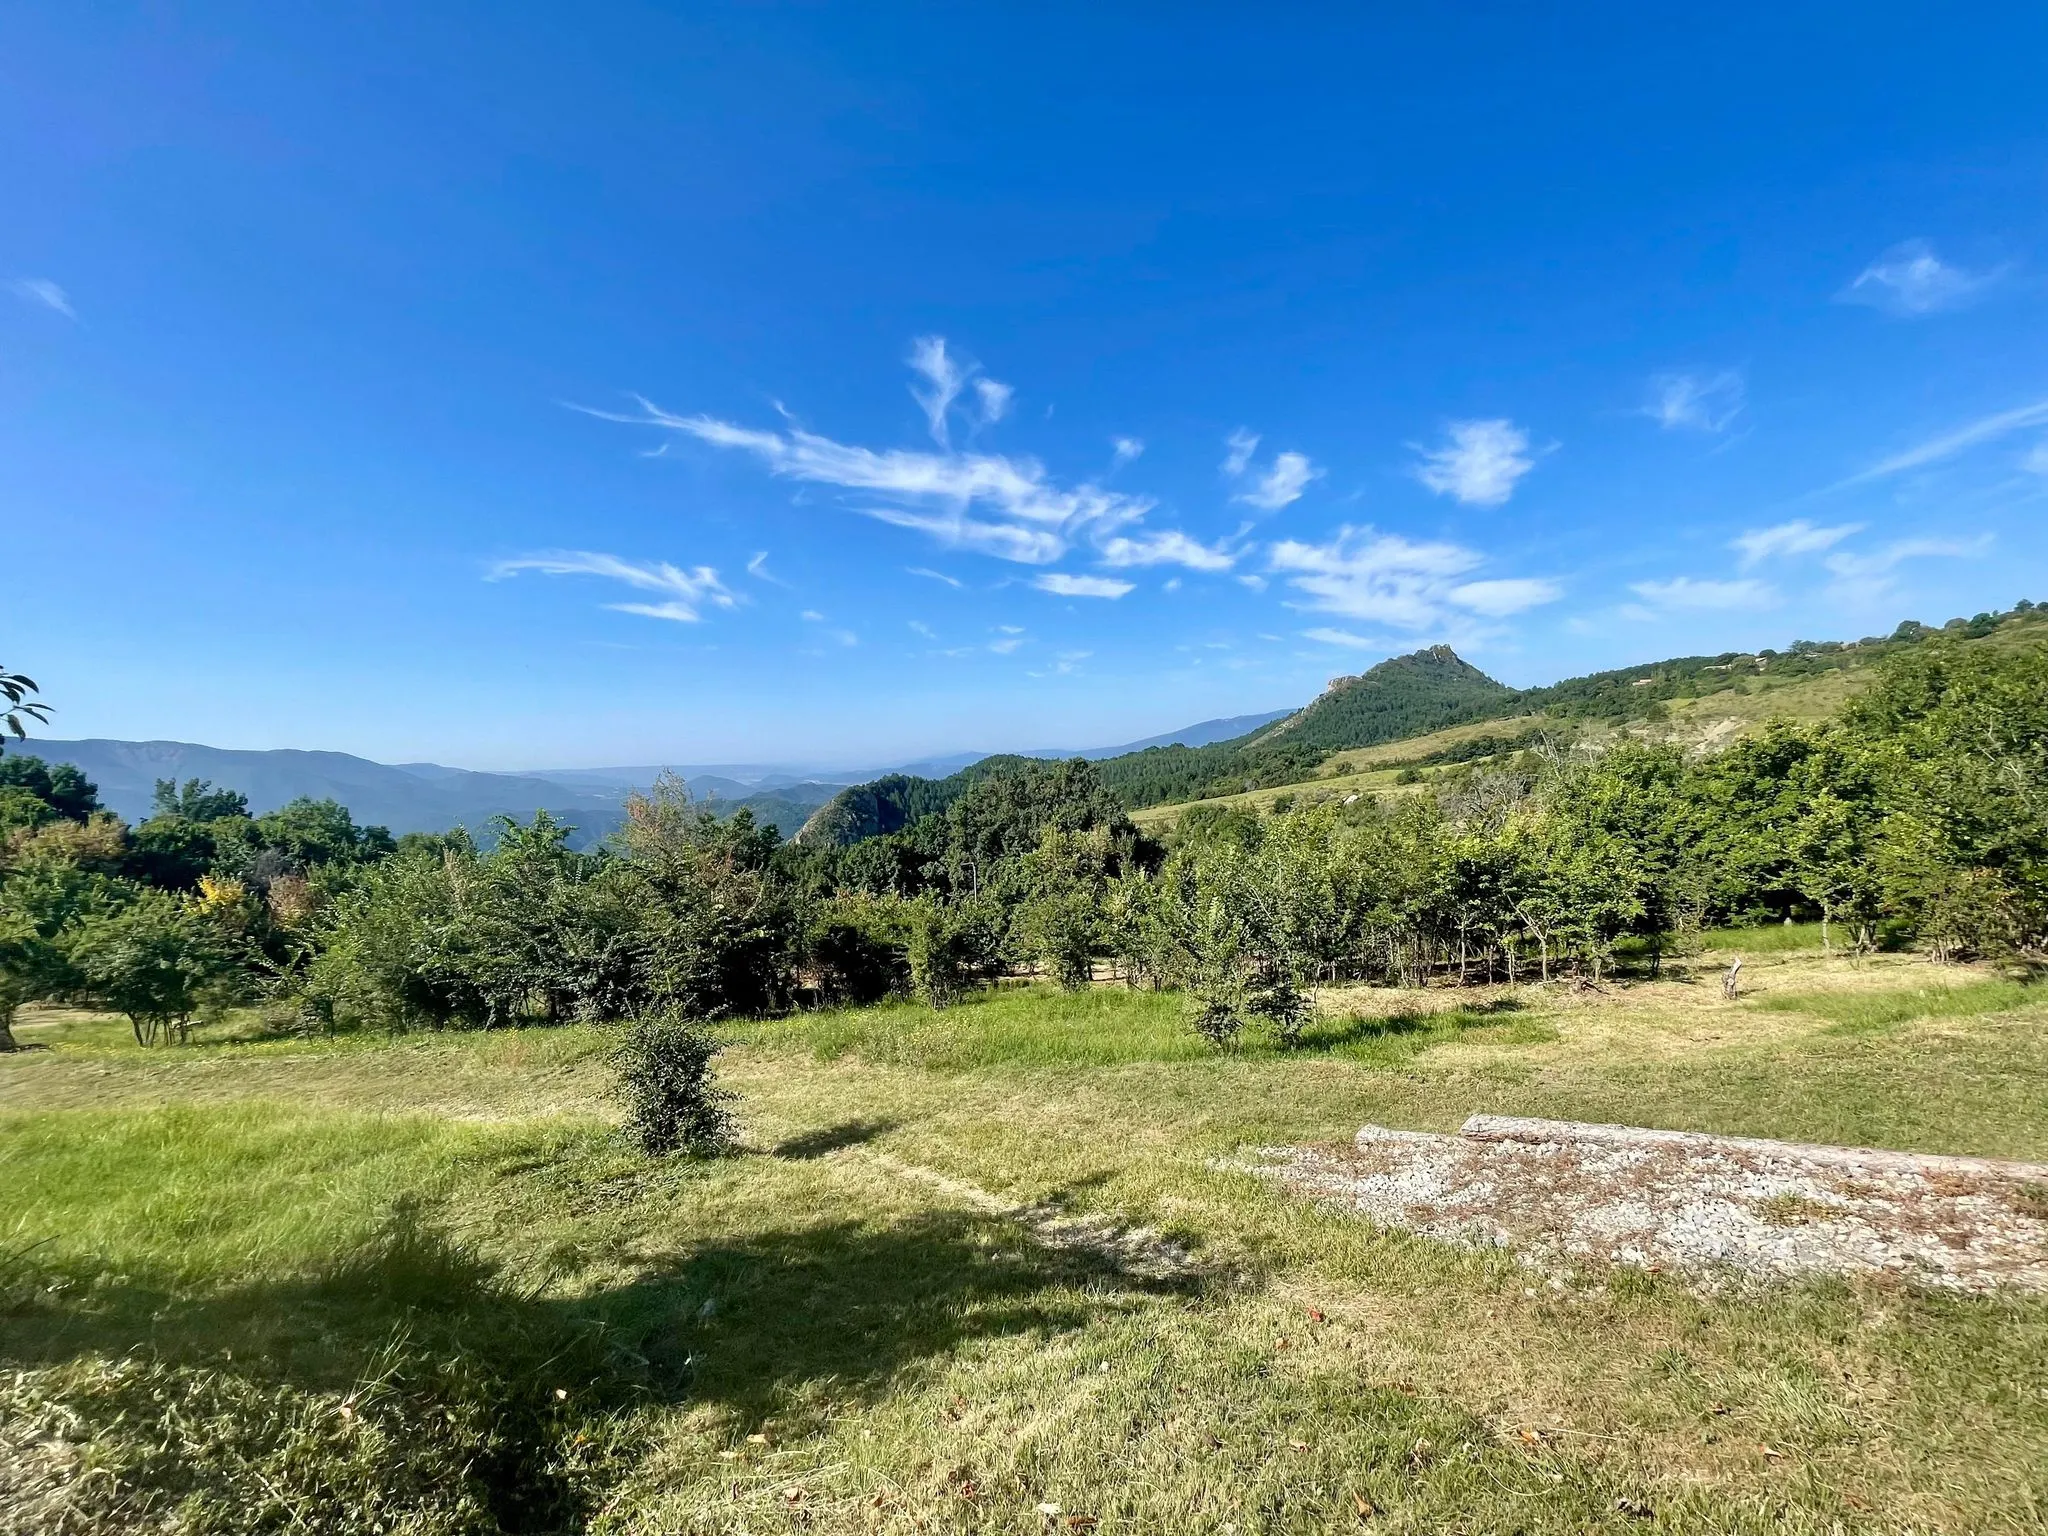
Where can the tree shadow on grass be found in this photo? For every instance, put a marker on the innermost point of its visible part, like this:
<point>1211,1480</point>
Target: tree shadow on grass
<point>1406,1032</point>
<point>832,1138</point>
<point>499,1398</point>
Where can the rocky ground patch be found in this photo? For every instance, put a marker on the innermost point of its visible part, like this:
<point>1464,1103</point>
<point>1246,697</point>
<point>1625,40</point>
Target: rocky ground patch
<point>1711,1207</point>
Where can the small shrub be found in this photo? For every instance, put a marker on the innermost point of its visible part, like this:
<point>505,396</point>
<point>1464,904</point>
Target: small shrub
<point>672,1098</point>
<point>1276,997</point>
<point>1217,1021</point>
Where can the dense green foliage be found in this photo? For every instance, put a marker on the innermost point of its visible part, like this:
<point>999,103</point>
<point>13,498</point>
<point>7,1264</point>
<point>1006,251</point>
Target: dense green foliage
<point>1402,696</point>
<point>1637,693</point>
<point>671,1098</point>
<point>199,908</point>
<point>895,801</point>
<point>1920,814</point>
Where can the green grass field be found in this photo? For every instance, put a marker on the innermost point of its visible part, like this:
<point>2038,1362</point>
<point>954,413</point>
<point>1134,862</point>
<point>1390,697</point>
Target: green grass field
<point>417,1285</point>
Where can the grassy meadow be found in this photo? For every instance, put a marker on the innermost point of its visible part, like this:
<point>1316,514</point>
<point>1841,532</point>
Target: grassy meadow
<point>996,1269</point>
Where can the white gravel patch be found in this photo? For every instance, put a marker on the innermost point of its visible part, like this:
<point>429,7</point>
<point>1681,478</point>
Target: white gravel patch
<point>1712,1208</point>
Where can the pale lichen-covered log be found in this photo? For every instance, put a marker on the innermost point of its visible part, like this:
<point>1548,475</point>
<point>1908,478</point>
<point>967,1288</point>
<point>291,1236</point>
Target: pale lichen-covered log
<point>1581,1133</point>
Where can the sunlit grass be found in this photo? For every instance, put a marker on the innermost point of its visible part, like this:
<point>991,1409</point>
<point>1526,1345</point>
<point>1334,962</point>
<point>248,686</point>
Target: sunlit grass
<point>440,1233</point>
<point>1105,1026</point>
<point>1764,939</point>
<point>1869,1012</point>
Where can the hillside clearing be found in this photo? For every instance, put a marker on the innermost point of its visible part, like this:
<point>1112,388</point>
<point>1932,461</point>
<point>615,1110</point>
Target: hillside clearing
<point>926,1283</point>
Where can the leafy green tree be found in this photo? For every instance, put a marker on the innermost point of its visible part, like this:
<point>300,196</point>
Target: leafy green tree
<point>857,949</point>
<point>160,962</point>
<point>1960,734</point>
<point>60,786</point>
<point>172,852</point>
<point>308,833</point>
<point>946,948</point>
<point>1060,921</point>
<point>197,800</point>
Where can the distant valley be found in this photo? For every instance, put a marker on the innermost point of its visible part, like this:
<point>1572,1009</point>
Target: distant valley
<point>433,797</point>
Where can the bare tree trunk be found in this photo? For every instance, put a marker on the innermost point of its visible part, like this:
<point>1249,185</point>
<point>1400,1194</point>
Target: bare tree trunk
<point>7,1040</point>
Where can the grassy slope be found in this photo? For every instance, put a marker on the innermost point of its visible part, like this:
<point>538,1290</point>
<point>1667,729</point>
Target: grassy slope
<point>857,1289</point>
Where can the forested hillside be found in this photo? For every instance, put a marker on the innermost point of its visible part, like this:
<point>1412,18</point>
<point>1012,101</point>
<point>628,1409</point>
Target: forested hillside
<point>1402,696</point>
<point>895,801</point>
<point>1415,695</point>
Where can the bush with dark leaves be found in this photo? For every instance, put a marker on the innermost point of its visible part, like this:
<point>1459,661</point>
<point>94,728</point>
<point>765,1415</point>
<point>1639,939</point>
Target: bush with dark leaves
<point>671,1095</point>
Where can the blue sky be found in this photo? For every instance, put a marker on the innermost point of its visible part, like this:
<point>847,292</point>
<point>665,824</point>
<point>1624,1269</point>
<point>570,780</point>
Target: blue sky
<point>521,386</point>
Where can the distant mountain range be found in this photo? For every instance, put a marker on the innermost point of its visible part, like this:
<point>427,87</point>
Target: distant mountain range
<point>432,797</point>
<point>1200,735</point>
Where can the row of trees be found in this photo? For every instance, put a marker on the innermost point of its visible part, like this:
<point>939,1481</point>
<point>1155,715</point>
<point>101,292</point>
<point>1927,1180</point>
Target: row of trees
<point>1920,814</point>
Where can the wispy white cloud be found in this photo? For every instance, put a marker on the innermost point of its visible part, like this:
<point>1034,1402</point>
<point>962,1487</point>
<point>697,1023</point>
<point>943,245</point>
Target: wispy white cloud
<point>812,616</point>
<point>686,593</point>
<point>1363,574</point>
<point>1864,579</point>
<point>2036,461</point>
<point>1345,638</point>
<point>919,570</point>
<point>946,378</point>
<point>943,382</point>
<point>1278,485</point>
<point>1983,430</point>
<point>1064,585</point>
<point>1166,547</point>
<point>1126,449</point>
<point>1910,279</point>
<point>758,566</point>
<point>1500,599</point>
<point>1006,644</point>
<point>1282,483</point>
<point>40,290</point>
<point>1798,537</point>
<point>1695,594</point>
<point>919,627</point>
<point>1239,448</point>
<point>1479,464</point>
<point>995,400</point>
<point>1696,401</point>
<point>1008,507</point>
<point>1064,663</point>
